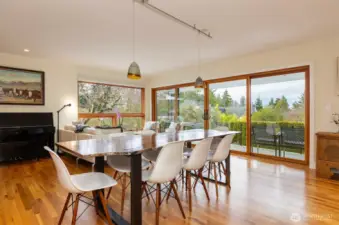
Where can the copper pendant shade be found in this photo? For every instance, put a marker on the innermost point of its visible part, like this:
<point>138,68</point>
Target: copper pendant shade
<point>134,71</point>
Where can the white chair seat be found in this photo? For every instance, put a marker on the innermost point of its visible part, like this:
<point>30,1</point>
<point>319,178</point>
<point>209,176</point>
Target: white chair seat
<point>92,181</point>
<point>151,155</point>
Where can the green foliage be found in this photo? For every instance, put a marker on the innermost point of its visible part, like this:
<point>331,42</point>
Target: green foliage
<point>267,114</point>
<point>242,101</point>
<point>258,104</point>
<point>300,103</point>
<point>226,99</point>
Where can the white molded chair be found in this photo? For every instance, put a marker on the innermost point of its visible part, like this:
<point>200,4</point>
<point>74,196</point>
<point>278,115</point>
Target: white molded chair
<point>196,161</point>
<point>216,158</point>
<point>151,155</point>
<point>122,164</point>
<point>80,183</point>
<point>167,167</point>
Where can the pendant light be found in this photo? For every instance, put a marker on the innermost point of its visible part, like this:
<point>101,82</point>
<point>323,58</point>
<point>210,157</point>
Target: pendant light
<point>134,69</point>
<point>199,83</point>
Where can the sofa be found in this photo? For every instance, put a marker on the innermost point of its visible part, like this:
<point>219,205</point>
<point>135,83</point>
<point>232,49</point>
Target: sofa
<point>68,133</point>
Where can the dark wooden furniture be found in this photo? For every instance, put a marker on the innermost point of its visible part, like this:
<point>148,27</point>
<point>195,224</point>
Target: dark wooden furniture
<point>327,155</point>
<point>133,145</point>
<point>23,135</point>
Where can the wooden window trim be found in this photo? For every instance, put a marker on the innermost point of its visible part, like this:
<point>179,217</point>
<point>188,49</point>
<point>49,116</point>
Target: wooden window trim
<point>113,116</point>
<point>248,77</point>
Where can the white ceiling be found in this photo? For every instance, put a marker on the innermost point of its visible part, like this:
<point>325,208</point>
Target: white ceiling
<point>99,32</point>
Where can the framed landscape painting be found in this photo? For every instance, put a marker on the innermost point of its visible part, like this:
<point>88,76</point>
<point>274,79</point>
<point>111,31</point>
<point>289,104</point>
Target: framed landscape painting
<point>21,87</point>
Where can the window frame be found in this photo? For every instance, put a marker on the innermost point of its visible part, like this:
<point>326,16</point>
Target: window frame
<point>113,116</point>
<point>248,78</point>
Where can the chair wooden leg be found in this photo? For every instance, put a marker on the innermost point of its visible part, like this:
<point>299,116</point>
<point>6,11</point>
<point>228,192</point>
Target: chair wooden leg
<point>209,170</point>
<point>64,209</point>
<point>219,166</point>
<point>157,204</point>
<point>189,190</point>
<point>169,193</point>
<point>216,179</point>
<point>182,178</point>
<point>223,167</point>
<point>196,180</point>
<point>123,191</point>
<point>144,190</point>
<point>95,200</point>
<point>109,192</point>
<point>186,181</point>
<point>104,205</point>
<point>75,210</point>
<point>203,184</point>
<point>115,175</point>
<point>178,200</point>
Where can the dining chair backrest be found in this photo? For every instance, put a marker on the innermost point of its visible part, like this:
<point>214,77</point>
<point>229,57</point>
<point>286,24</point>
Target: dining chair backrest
<point>169,163</point>
<point>223,149</point>
<point>118,161</point>
<point>199,155</point>
<point>63,175</point>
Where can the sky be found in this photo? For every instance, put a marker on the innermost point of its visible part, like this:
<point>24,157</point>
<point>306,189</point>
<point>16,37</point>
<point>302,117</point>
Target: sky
<point>9,76</point>
<point>291,86</point>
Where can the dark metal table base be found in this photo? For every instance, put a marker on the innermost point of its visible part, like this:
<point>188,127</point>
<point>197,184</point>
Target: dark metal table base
<point>136,205</point>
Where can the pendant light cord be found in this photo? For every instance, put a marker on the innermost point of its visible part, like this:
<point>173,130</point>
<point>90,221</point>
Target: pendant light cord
<point>199,54</point>
<point>133,17</point>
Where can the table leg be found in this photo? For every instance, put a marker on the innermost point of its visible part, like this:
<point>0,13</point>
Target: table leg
<point>189,144</point>
<point>136,204</point>
<point>228,170</point>
<point>115,217</point>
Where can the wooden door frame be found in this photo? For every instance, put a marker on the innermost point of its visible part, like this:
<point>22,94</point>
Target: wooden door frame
<point>248,77</point>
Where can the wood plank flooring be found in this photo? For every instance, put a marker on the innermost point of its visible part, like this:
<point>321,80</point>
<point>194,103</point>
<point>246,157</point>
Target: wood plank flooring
<point>263,192</point>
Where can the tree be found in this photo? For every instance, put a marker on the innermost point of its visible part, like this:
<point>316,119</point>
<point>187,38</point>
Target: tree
<point>300,103</point>
<point>242,101</point>
<point>258,104</point>
<point>282,104</point>
<point>226,99</point>
<point>271,103</point>
<point>213,98</point>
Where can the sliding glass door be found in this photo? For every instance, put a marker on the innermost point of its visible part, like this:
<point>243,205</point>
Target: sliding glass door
<point>227,110</point>
<point>270,109</point>
<point>191,108</point>
<point>165,109</point>
<point>278,115</point>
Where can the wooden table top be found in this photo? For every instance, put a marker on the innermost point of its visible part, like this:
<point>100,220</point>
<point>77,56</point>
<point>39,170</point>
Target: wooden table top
<point>129,144</point>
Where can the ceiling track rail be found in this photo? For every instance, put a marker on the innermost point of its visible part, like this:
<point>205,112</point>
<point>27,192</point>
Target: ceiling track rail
<point>160,11</point>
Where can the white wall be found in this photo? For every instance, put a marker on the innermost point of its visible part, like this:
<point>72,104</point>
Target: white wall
<point>61,84</point>
<point>320,55</point>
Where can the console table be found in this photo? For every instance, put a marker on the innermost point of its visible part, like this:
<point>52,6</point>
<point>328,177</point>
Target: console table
<point>328,155</point>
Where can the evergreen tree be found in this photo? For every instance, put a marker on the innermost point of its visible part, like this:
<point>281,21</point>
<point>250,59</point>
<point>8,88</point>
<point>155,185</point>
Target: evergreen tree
<point>258,104</point>
<point>300,103</point>
<point>242,101</point>
<point>271,103</point>
<point>226,99</point>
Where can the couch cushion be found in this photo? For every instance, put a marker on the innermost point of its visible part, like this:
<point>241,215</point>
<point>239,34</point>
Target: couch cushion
<point>70,127</point>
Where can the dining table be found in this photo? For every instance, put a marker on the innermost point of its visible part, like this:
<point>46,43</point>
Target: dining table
<point>133,145</point>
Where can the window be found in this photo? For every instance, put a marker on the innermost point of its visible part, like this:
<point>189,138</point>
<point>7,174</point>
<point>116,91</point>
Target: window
<point>111,105</point>
<point>184,104</point>
<point>270,109</point>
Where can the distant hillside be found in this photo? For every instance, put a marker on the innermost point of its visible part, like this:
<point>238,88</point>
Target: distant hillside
<point>16,83</point>
<point>21,85</point>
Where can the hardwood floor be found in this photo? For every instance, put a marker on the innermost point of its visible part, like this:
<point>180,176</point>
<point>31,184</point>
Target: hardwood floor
<point>263,192</point>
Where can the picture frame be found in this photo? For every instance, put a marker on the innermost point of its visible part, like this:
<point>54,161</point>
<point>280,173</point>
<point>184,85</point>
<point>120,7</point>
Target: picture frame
<point>21,86</point>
